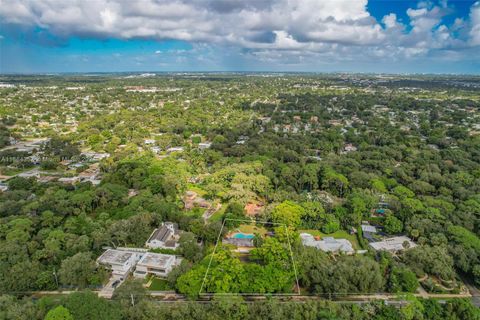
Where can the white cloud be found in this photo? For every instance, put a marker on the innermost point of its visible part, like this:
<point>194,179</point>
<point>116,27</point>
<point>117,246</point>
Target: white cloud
<point>475,24</point>
<point>336,29</point>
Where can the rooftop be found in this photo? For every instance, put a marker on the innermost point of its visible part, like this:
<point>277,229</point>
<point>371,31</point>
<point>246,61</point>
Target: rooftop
<point>328,244</point>
<point>393,244</point>
<point>156,260</point>
<point>112,256</point>
<point>369,228</point>
<point>164,233</point>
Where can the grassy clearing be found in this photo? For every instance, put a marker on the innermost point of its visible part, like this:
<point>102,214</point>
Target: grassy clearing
<point>248,228</point>
<point>217,216</point>
<point>196,189</point>
<point>159,285</point>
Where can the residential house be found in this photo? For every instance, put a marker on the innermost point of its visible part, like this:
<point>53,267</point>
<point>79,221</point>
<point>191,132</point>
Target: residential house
<point>156,264</point>
<point>327,244</point>
<point>121,262</point>
<point>349,148</point>
<point>175,149</point>
<point>29,174</point>
<point>393,244</point>
<point>244,244</point>
<point>165,237</point>
<point>204,145</point>
<point>191,200</point>
<point>368,231</point>
<point>69,180</point>
<point>253,209</point>
<point>95,156</point>
<point>91,174</point>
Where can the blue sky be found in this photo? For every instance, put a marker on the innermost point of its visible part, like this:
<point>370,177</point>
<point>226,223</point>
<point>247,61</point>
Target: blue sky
<point>49,36</point>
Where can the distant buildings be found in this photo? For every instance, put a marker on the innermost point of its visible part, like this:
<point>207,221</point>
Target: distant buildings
<point>165,237</point>
<point>349,148</point>
<point>95,156</point>
<point>327,244</point>
<point>69,180</point>
<point>393,244</point>
<point>149,141</point>
<point>175,149</point>
<point>204,145</point>
<point>253,209</point>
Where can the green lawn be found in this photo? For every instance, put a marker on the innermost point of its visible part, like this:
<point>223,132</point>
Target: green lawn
<point>159,285</point>
<point>195,212</point>
<point>249,228</point>
<point>217,216</point>
<point>197,189</point>
<point>340,234</point>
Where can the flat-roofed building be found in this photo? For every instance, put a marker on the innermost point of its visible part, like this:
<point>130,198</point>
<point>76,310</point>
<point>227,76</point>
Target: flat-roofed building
<point>393,244</point>
<point>121,262</point>
<point>155,263</point>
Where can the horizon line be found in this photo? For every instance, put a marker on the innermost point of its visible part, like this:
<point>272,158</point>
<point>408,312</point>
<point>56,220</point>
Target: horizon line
<point>235,72</point>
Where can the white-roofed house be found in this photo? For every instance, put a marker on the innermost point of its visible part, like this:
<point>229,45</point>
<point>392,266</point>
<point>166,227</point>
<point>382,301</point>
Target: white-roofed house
<point>327,244</point>
<point>155,263</point>
<point>121,262</point>
<point>393,244</point>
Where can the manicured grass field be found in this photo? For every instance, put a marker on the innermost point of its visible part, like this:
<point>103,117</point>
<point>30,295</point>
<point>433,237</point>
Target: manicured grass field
<point>248,228</point>
<point>340,234</point>
<point>159,285</point>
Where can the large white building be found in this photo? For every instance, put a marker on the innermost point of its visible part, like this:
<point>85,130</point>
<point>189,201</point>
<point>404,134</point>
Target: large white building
<point>121,262</point>
<point>156,264</point>
<point>327,244</point>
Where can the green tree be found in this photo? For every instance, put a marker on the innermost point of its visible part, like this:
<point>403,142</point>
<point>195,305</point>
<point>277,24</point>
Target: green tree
<point>392,224</point>
<point>86,305</point>
<point>78,270</point>
<point>289,213</point>
<point>59,313</point>
<point>189,247</point>
<point>330,224</point>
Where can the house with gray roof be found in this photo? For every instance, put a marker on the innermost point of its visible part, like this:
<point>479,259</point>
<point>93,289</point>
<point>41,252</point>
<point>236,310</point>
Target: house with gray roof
<point>239,242</point>
<point>393,244</point>
<point>165,237</point>
<point>327,244</point>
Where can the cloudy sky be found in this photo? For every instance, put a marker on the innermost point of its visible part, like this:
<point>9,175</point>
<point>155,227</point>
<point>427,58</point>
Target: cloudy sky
<point>240,35</point>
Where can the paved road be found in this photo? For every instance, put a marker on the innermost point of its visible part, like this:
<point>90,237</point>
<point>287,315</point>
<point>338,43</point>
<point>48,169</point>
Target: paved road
<point>474,291</point>
<point>171,296</point>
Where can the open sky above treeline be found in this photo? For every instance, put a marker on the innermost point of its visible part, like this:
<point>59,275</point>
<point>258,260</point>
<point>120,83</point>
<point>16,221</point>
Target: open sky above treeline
<point>232,35</point>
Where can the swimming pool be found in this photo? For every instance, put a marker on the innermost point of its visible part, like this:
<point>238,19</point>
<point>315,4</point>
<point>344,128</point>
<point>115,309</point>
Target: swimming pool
<point>240,235</point>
